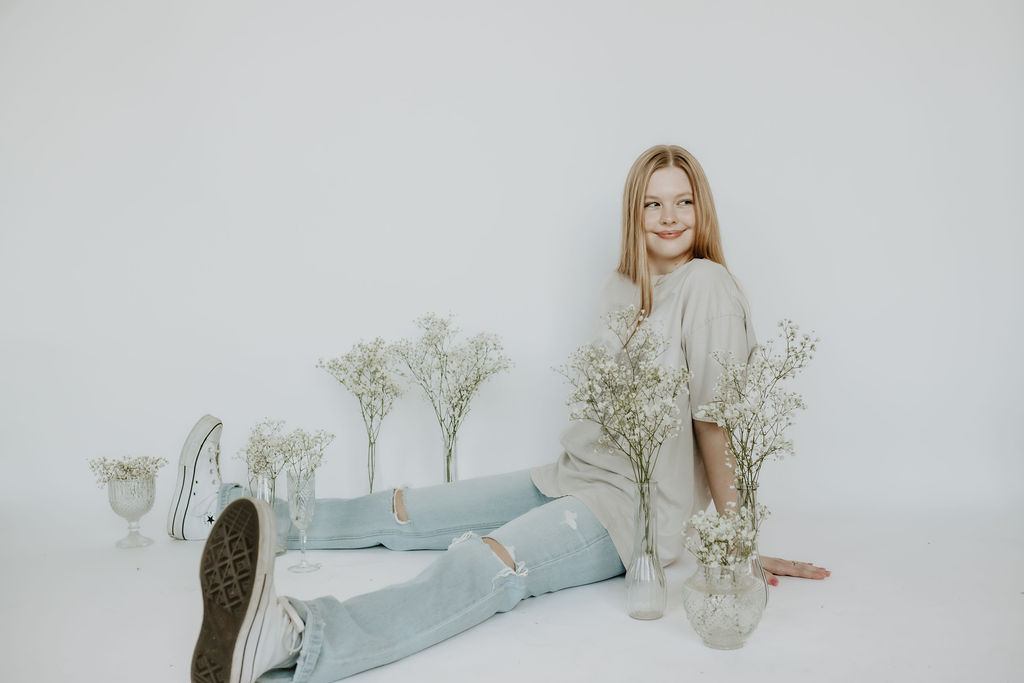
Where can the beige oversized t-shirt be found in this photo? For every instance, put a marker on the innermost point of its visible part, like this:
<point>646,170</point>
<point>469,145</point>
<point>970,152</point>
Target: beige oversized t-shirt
<point>699,309</point>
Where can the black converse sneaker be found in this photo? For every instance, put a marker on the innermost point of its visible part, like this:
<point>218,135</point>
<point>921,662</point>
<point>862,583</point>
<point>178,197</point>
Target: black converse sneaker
<point>247,629</point>
<point>194,505</point>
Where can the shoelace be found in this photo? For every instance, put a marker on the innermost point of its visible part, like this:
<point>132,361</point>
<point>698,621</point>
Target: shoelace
<point>297,626</point>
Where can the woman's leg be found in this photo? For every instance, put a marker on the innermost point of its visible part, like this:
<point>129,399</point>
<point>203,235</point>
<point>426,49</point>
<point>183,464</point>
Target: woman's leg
<point>426,518</point>
<point>554,546</point>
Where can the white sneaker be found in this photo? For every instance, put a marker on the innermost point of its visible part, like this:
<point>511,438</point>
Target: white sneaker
<point>247,629</point>
<point>194,505</point>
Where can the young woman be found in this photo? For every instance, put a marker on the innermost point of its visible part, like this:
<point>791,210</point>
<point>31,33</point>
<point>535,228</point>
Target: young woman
<point>509,536</point>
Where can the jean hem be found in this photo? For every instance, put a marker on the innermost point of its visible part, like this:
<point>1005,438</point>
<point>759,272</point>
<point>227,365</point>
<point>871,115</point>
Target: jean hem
<point>312,639</point>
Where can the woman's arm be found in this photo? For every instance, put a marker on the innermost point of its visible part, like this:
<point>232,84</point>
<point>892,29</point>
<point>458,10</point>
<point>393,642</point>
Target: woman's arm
<point>711,439</point>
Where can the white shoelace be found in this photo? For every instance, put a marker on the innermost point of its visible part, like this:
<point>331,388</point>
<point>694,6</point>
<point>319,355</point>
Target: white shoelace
<point>297,626</point>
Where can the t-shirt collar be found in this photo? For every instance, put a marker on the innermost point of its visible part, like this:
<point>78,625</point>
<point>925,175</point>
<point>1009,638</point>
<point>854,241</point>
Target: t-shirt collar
<point>657,280</point>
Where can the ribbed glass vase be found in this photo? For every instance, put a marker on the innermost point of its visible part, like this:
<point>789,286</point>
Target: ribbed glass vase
<point>646,595</point>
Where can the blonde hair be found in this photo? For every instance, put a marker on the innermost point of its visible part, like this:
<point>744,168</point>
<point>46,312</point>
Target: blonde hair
<point>707,241</point>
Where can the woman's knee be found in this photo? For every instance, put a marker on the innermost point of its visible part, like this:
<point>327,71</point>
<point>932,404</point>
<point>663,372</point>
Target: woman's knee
<point>500,551</point>
<point>398,506</point>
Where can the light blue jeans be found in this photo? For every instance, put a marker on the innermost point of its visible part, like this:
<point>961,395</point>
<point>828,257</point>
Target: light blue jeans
<point>556,543</point>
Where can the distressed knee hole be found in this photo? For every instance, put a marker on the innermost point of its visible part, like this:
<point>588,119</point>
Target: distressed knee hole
<point>500,551</point>
<point>398,507</point>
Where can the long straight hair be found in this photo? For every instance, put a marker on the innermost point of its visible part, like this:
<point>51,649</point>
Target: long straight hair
<point>707,241</point>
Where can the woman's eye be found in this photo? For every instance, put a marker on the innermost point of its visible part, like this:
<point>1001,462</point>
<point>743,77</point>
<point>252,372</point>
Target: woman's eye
<point>685,201</point>
<point>648,205</point>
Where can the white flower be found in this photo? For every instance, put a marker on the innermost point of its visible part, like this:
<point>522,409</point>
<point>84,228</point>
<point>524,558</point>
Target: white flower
<point>368,372</point>
<point>269,451</point>
<point>141,467</point>
<point>304,451</point>
<point>724,540</point>
<point>626,391</point>
<point>449,373</point>
<point>751,405</point>
<point>262,453</point>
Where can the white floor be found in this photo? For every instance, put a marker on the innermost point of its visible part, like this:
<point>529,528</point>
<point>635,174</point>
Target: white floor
<point>926,599</point>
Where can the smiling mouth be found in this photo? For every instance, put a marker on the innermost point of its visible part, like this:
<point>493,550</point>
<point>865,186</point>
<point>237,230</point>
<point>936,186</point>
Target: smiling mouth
<point>669,234</point>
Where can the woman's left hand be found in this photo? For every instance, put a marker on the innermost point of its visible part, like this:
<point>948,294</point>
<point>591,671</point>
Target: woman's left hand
<point>774,566</point>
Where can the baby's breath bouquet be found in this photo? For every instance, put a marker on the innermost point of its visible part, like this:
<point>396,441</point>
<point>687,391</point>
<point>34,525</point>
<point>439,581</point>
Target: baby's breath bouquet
<point>725,540</point>
<point>450,374</point>
<point>627,391</point>
<point>303,451</point>
<point>125,469</point>
<point>264,458</point>
<point>754,410</point>
<point>368,372</point>
<point>131,489</point>
<point>633,398</point>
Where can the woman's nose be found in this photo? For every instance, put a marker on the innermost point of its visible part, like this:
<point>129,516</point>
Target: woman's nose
<point>668,216</point>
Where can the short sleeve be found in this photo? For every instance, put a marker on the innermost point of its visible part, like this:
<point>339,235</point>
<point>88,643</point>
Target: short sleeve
<point>724,333</point>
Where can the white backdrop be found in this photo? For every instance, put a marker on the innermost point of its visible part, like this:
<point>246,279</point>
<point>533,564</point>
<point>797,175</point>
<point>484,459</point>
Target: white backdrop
<point>198,200</point>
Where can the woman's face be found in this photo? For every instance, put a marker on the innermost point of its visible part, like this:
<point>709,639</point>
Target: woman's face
<point>669,220</point>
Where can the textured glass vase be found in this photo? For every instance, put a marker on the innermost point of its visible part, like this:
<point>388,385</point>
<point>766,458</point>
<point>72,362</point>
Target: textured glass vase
<point>449,452</point>
<point>131,499</point>
<point>301,505</point>
<point>724,605</point>
<point>646,595</point>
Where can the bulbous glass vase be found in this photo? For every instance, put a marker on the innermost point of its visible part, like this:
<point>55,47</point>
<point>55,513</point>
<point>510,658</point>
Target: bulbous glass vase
<point>725,604</point>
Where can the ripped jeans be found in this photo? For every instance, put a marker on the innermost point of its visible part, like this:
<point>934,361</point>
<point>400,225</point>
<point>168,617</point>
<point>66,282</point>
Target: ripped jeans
<point>555,543</point>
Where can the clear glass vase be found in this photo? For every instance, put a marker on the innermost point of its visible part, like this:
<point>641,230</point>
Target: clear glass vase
<point>646,595</point>
<point>301,505</point>
<point>371,461</point>
<point>746,497</point>
<point>264,487</point>
<point>449,452</point>
<point>724,604</point>
<point>131,499</point>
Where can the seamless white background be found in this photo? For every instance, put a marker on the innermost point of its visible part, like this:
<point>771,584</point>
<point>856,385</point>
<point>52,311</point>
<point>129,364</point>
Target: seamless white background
<point>198,200</point>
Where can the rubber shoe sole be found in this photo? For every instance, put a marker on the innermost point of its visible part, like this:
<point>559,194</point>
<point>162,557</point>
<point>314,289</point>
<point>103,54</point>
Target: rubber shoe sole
<point>236,576</point>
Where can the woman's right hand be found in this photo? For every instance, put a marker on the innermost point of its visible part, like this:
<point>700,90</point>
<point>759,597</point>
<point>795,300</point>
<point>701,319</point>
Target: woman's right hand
<point>774,566</point>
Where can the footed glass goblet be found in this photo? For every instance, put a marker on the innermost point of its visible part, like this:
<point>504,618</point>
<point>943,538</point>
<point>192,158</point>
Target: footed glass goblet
<point>131,499</point>
<point>301,501</point>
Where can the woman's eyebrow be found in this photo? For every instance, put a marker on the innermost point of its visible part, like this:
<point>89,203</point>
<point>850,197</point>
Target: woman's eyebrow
<point>651,196</point>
